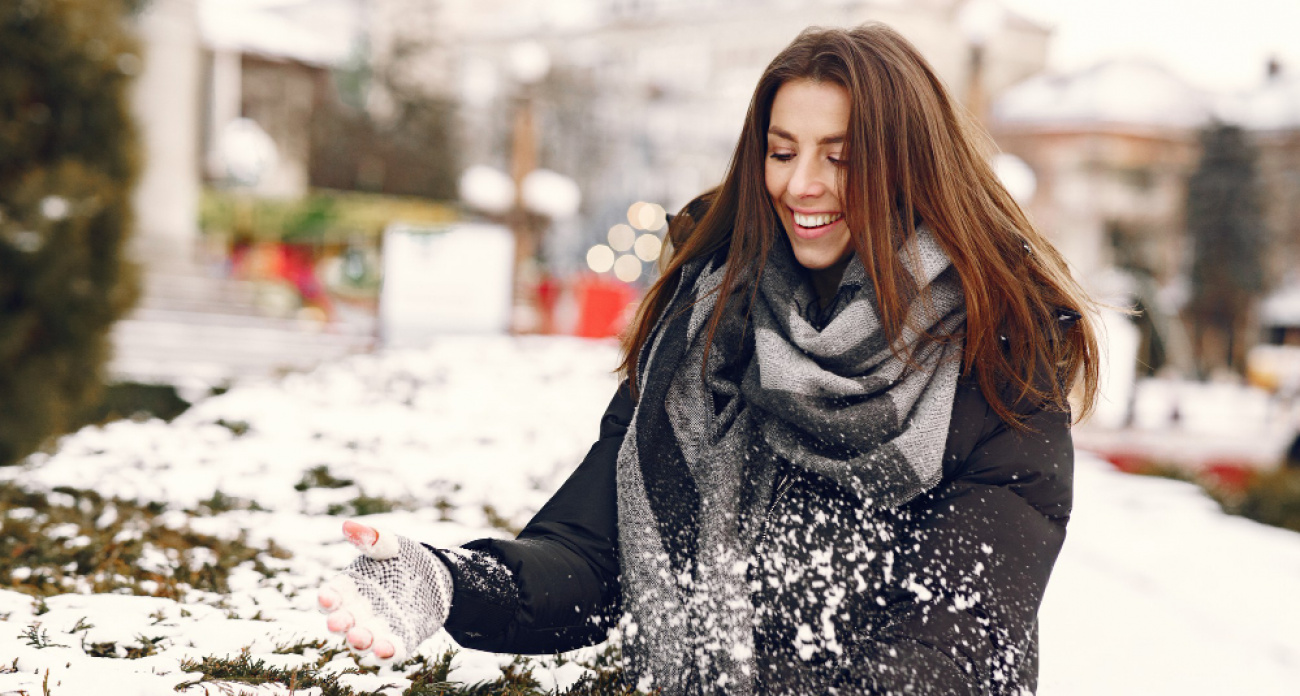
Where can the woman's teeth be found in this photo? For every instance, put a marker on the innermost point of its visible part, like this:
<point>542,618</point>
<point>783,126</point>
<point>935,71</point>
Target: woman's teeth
<point>817,220</point>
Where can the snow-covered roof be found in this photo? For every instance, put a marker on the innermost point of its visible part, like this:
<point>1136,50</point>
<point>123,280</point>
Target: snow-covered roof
<point>1275,105</point>
<point>320,32</point>
<point>1130,91</point>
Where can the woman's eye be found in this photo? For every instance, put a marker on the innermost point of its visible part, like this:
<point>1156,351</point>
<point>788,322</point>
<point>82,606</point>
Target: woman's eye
<point>781,156</point>
<point>837,161</point>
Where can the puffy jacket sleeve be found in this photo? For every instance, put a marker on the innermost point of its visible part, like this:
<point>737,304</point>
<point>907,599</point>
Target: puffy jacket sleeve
<point>973,559</point>
<point>564,564</point>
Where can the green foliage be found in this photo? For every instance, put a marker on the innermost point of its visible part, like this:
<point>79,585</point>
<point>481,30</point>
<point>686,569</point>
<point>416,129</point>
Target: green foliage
<point>246,670</point>
<point>495,520</point>
<point>322,216</point>
<point>75,540</point>
<point>430,678</point>
<point>1271,497</point>
<point>144,647</point>
<point>237,428</point>
<point>68,160</point>
<point>1225,220</point>
<point>320,477</point>
<point>301,647</point>
<point>427,677</point>
<point>365,505</point>
<point>38,637</point>
<point>139,401</point>
<point>220,502</point>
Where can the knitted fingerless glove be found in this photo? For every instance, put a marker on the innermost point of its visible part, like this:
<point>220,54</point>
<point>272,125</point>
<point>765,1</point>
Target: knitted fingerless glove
<point>392,598</point>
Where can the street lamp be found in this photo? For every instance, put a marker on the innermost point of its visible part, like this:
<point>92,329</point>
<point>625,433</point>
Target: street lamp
<point>528,62</point>
<point>528,197</point>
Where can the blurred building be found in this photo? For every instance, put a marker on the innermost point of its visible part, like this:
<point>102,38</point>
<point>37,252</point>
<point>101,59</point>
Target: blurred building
<point>644,99</point>
<point>1111,147</point>
<point>208,64</point>
<point>270,62</point>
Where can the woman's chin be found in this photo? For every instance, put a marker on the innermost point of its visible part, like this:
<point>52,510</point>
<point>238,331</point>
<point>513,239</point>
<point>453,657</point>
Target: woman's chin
<point>821,256</point>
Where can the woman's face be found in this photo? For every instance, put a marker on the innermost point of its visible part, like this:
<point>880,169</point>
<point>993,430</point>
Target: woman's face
<point>804,173</point>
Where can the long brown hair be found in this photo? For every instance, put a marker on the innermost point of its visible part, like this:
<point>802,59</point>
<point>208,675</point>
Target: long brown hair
<point>912,156</point>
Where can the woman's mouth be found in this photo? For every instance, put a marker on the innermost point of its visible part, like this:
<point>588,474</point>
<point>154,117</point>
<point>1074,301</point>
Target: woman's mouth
<point>813,224</point>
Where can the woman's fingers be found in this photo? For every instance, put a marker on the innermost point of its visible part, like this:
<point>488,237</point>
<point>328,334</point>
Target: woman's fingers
<point>340,621</point>
<point>361,638</point>
<point>365,628</point>
<point>328,599</point>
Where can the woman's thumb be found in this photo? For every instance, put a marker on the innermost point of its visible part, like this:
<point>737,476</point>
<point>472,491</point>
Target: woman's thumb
<point>371,541</point>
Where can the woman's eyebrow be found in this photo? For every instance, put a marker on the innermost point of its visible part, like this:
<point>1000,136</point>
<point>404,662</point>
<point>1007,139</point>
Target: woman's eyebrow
<point>828,140</point>
<point>773,130</point>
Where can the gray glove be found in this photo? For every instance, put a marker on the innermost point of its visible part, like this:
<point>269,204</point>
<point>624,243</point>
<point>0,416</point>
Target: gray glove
<point>390,599</point>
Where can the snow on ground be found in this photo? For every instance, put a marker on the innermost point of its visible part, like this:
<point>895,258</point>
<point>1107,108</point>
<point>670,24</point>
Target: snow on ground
<point>1156,592</point>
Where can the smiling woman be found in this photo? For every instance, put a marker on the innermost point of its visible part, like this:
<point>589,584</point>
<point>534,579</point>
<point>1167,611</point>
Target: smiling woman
<point>803,173</point>
<point>840,461</point>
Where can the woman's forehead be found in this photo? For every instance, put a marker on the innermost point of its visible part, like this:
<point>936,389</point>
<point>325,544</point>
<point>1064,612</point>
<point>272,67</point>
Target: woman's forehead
<point>808,111</point>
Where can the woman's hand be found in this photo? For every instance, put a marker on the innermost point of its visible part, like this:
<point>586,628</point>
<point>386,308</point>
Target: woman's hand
<point>390,599</point>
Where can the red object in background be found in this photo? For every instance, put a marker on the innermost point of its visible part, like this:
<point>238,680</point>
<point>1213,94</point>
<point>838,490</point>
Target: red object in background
<point>1228,475</point>
<point>298,266</point>
<point>1127,463</point>
<point>292,263</point>
<point>1224,474</point>
<point>602,306</point>
<point>548,294</point>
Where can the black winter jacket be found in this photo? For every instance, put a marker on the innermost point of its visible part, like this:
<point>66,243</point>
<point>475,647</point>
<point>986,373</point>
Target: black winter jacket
<point>938,597</point>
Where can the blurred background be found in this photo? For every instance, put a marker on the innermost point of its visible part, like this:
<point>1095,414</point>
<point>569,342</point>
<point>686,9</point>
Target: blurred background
<point>198,191</point>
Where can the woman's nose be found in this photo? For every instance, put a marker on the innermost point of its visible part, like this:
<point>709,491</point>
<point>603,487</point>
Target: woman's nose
<point>806,182</point>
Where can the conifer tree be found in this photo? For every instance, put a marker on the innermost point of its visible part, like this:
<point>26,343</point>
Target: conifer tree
<point>1226,230</point>
<point>68,160</point>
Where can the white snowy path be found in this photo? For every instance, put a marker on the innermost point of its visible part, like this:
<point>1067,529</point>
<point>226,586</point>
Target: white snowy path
<point>1157,592</point>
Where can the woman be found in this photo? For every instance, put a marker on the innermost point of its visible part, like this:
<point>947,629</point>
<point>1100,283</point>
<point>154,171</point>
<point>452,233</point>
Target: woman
<point>840,461</point>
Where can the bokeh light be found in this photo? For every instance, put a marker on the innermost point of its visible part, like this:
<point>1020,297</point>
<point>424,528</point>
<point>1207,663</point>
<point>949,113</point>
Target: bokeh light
<point>652,217</point>
<point>621,237</point>
<point>600,258</point>
<point>648,247</point>
<point>627,268</point>
<point>647,216</point>
<point>634,213</point>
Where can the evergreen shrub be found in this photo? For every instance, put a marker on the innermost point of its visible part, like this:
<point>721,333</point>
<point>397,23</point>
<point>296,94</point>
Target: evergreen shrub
<point>1269,496</point>
<point>68,160</point>
<point>1228,243</point>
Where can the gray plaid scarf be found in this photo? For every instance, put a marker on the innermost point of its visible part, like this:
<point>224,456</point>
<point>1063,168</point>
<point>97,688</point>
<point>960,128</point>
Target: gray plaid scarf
<point>700,459</point>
